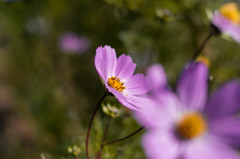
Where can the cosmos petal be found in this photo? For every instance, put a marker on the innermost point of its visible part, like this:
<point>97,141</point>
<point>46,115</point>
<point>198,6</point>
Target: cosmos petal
<point>159,113</point>
<point>122,99</point>
<point>125,67</point>
<point>137,85</point>
<point>227,129</point>
<point>224,102</point>
<point>160,145</point>
<point>147,115</point>
<point>105,62</point>
<point>192,86</point>
<point>209,148</point>
<point>157,77</point>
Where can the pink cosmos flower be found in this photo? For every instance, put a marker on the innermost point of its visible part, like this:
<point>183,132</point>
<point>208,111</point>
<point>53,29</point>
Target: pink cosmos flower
<point>186,125</point>
<point>72,43</point>
<point>117,75</point>
<point>227,20</point>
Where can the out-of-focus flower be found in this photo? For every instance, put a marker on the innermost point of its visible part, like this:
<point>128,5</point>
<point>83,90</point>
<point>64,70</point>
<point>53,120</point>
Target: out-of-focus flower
<point>117,75</point>
<point>227,20</point>
<point>72,43</point>
<point>188,126</point>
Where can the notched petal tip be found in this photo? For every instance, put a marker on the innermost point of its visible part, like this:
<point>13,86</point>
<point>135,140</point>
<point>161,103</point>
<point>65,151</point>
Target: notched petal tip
<point>105,61</point>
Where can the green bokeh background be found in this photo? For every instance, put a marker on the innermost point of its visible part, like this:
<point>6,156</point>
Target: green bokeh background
<point>47,95</point>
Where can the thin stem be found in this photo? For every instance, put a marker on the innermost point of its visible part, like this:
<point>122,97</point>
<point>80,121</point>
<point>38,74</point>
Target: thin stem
<point>91,121</point>
<point>103,139</point>
<point>199,50</point>
<point>124,138</point>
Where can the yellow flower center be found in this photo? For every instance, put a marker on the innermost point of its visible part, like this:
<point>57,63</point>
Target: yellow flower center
<point>190,126</point>
<point>231,12</point>
<point>116,83</point>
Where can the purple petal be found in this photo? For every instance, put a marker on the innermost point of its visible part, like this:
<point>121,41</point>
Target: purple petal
<point>149,115</point>
<point>137,85</point>
<point>226,26</point>
<point>140,102</point>
<point>160,145</point>
<point>224,102</point>
<point>227,129</point>
<point>234,32</point>
<point>122,99</point>
<point>221,22</point>
<point>131,102</point>
<point>105,62</point>
<point>157,77</point>
<point>192,86</point>
<point>125,67</point>
<point>160,114</point>
<point>209,148</point>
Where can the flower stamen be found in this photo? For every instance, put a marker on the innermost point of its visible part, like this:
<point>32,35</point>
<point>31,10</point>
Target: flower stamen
<point>190,126</point>
<point>116,83</point>
<point>231,12</point>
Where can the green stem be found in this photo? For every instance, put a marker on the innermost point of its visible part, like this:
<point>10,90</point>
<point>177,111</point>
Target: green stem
<point>199,50</point>
<point>91,121</point>
<point>103,139</point>
<point>124,138</point>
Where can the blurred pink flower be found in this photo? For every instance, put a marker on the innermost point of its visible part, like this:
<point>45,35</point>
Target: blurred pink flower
<point>186,125</point>
<point>117,75</point>
<point>227,20</point>
<point>72,43</point>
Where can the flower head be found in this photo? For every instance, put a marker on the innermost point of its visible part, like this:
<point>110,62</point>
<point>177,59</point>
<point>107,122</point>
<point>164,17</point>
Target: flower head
<point>72,43</point>
<point>187,125</point>
<point>117,74</point>
<point>227,20</point>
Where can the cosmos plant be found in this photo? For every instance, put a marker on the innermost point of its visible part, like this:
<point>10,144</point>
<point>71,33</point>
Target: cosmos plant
<point>117,76</point>
<point>182,123</point>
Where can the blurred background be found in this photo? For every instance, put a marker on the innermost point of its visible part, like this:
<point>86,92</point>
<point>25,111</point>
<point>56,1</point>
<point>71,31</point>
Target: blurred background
<point>48,83</point>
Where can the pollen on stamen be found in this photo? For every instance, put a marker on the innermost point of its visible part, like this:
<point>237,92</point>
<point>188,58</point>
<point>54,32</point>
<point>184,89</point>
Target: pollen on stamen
<point>116,83</point>
<point>190,126</point>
